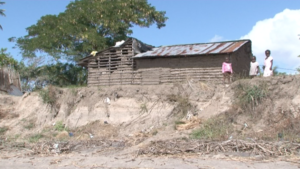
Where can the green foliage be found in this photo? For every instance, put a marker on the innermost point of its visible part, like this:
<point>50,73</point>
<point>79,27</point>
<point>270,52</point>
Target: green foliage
<point>216,128</point>
<point>2,12</point>
<point>6,59</point>
<point>36,76</point>
<point>59,126</point>
<point>48,95</point>
<point>250,95</point>
<point>87,25</point>
<point>35,138</point>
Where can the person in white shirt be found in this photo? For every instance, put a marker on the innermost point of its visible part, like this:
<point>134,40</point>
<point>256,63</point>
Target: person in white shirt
<point>268,64</point>
<point>254,68</point>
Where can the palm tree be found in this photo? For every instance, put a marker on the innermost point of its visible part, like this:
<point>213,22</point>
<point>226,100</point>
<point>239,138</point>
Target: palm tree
<point>2,12</point>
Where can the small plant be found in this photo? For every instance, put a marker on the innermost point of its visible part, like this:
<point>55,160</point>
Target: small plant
<point>59,126</point>
<point>3,130</point>
<point>143,108</point>
<point>35,138</point>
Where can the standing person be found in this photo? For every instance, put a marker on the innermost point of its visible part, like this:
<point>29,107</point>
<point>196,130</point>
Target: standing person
<point>254,68</point>
<point>227,71</point>
<point>268,64</point>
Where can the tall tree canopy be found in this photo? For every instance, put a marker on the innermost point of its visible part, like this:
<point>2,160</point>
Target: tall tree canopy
<point>87,25</point>
<point>2,12</point>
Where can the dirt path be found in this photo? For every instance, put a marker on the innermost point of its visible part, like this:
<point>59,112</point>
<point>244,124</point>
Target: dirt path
<point>89,161</point>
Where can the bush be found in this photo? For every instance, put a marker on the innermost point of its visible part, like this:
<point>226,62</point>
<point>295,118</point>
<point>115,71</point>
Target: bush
<point>250,95</point>
<point>48,95</point>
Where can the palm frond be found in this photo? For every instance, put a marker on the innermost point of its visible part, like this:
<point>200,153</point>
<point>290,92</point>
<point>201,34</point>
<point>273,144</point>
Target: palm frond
<point>2,12</point>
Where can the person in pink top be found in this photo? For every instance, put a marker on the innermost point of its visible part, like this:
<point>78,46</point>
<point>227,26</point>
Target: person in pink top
<point>226,70</point>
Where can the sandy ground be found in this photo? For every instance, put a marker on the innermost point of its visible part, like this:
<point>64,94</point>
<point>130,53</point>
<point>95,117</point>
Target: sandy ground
<point>90,161</point>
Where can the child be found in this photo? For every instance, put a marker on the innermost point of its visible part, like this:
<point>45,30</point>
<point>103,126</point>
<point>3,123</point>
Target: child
<point>254,68</point>
<point>226,70</point>
<point>268,64</point>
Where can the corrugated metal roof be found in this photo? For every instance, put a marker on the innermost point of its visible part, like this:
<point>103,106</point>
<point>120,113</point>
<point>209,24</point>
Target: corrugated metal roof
<point>194,49</point>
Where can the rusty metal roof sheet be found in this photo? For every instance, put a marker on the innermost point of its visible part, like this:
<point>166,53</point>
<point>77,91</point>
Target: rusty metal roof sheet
<point>194,49</point>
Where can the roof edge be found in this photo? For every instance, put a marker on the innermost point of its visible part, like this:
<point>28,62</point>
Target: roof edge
<point>206,43</point>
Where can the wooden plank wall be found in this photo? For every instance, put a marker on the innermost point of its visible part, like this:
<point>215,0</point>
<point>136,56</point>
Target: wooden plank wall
<point>115,66</point>
<point>157,76</point>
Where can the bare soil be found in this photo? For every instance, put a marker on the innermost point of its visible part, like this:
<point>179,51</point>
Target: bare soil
<point>114,127</point>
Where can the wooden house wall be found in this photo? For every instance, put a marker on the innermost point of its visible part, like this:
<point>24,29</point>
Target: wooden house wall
<point>115,66</point>
<point>241,60</point>
<point>112,66</point>
<point>181,62</point>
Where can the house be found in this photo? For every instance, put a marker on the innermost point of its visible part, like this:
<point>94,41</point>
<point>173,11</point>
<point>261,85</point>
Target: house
<point>134,62</point>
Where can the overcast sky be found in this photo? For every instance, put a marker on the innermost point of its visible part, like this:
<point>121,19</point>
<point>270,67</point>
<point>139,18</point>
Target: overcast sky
<point>270,24</point>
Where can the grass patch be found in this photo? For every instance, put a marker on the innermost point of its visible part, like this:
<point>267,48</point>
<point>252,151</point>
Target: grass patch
<point>59,126</point>
<point>35,138</point>
<point>3,130</point>
<point>217,128</point>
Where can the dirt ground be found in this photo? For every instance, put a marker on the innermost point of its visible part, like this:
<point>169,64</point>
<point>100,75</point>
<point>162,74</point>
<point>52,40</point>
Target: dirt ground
<point>113,127</point>
<point>88,161</point>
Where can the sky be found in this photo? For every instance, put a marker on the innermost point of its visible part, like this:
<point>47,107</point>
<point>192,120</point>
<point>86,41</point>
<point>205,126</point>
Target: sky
<point>269,24</point>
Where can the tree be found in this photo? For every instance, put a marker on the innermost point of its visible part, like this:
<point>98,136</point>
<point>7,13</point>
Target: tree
<point>6,59</point>
<point>36,75</point>
<point>87,25</point>
<point>2,12</point>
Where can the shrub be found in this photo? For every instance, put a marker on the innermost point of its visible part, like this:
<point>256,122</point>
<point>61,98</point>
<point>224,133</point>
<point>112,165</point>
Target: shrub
<point>250,95</point>
<point>183,103</point>
<point>48,95</point>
